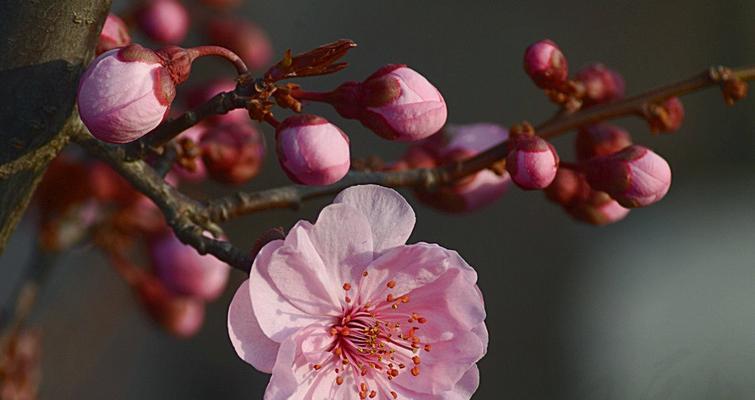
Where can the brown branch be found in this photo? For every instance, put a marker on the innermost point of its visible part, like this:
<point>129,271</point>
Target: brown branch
<point>220,104</point>
<point>225,208</point>
<point>190,219</point>
<point>36,159</point>
<point>185,216</point>
<point>634,105</point>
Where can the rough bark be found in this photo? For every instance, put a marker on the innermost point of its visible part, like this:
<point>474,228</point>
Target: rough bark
<point>44,46</point>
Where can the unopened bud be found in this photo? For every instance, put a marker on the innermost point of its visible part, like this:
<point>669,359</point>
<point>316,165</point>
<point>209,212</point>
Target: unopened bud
<point>546,64</point>
<point>243,38</point>
<point>600,140</point>
<point>601,84</point>
<point>114,34</point>
<point>233,152</point>
<point>532,162</point>
<point>164,21</point>
<point>666,116</point>
<point>311,150</point>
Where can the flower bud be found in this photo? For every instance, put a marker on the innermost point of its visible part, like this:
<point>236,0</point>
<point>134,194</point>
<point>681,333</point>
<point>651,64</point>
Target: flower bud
<point>599,209</point>
<point>601,83</point>
<point>243,38</point>
<point>600,140</point>
<point>179,315</point>
<point>668,116</point>
<point>184,271</point>
<point>127,92</point>
<point>164,21</point>
<point>114,34</point>
<point>568,187</point>
<point>191,169</point>
<point>202,94</point>
<point>395,102</point>
<point>233,152</point>
<point>635,176</point>
<point>456,143</point>
<point>311,150</point>
<point>532,162</point>
<point>546,64</point>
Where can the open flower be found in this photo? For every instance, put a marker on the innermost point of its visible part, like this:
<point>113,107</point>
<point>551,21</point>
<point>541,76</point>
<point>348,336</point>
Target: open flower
<point>344,309</point>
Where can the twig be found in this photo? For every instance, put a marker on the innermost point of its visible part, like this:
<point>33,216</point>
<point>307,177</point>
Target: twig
<point>35,159</point>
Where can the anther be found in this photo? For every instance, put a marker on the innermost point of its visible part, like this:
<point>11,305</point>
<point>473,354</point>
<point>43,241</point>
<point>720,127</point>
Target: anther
<point>339,380</point>
<point>415,371</point>
<point>347,286</point>
<point>391,284</point>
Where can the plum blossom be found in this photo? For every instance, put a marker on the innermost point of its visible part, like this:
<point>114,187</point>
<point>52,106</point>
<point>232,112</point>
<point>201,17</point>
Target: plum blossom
<point>344,308</point>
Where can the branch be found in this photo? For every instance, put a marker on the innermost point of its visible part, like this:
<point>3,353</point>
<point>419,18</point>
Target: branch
<point>184,215</point>
<point>636,104</point>
<point>149,143</point>
<point>225,208</point>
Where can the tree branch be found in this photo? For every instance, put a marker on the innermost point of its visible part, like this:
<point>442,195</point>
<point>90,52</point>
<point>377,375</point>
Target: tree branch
<point>241,203</point>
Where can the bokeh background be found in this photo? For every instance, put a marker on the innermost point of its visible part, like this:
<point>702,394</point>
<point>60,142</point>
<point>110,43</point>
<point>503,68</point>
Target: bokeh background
<point>659,306</point>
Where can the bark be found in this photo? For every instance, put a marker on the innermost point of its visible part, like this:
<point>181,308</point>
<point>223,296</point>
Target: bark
<point>44,47</point>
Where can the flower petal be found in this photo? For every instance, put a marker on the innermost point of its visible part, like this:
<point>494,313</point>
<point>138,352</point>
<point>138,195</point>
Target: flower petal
<point>390,217</point>
<point>299,274</point>
<point>295,379</point>
<point>463,390</point>
<point>245,333</point>
<point>278,318</point>
<point>343,239</point>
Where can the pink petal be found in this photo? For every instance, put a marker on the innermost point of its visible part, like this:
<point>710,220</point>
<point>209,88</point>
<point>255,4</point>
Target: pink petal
<point>299,274</point>
<point>246,336</point>
<point>410,266</point>
<point>293,376</point>
<point>390,216</point>
<point>278,318</point>
<point>343,238</point>
<point>463,390</point>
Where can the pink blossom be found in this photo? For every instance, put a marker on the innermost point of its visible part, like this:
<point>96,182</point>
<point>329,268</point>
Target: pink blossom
<point>343,308</point>
<point>395,102</point>
<point>546,64</point>
<point>242,37</point>
<point>164,21</point>
<point>114,34</point>
<point>233,152</point>
<point>185,271</point>
<point>532,162</point>
<point>455,143</point>
<point>199,173</point>
<point>600,140</point>
<point>311,150</point>
<point>602,84</point>
<point>635,176</point>
<point>121,99</point>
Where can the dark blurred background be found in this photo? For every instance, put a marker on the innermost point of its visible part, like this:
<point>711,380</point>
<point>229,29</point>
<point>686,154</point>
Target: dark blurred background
<point>658,306</point>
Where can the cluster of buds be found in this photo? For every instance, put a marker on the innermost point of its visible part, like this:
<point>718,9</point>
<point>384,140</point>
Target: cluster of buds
<point>123,222</point>
<point>456,143</point>
<point>611,175</point>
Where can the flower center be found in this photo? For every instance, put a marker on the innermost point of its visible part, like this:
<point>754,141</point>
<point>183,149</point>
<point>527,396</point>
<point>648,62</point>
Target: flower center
<point>375,343</point>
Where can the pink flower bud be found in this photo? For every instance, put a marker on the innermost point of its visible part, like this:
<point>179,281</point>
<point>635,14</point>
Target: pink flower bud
<point>546,64</point>
<point>567,187</point>
<point>601,140</point>
<point>602,84</point>
<point>243,38</point>
<point>195,171</point>
<point>164,21</point>
<point>184,271</point>
<point>668,117</point>
<point>311,150</point>
<point>127,92</point>
<point>532,162</point>
<point>635,176</point>
<point>233,152</point>
<point>179,315</point>
<point>395,102</point>
<point>455,143</point>
<point>114,34</point>
<point>599,209</point>
<point>202,94</point>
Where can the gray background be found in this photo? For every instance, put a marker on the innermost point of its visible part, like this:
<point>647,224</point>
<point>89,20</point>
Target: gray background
<point>659,306</point>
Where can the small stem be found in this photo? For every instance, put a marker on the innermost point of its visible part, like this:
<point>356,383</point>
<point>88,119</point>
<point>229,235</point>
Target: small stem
<point>270,119</point>
<point>202,51</point>
<point>323,97</point>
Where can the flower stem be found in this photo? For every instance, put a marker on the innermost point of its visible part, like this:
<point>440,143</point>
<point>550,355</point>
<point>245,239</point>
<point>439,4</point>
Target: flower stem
<point>201,51</point>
